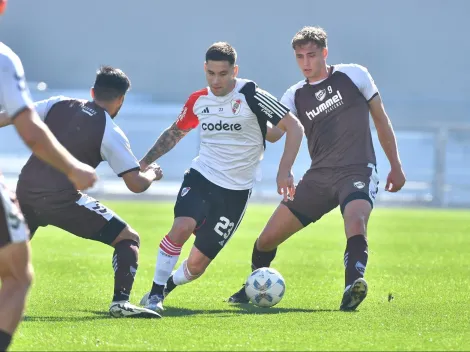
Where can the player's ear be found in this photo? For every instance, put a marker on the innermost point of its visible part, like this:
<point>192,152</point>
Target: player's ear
<point>235,70</point>
<point>92,93</point>
<point>205,66</point>
<point>325,53</point>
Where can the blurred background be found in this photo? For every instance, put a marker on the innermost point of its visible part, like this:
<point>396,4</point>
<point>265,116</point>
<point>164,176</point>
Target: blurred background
<point>417,51</point>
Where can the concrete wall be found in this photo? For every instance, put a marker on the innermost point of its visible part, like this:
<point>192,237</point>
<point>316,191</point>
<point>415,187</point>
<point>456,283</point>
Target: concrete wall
<point>416,50</point>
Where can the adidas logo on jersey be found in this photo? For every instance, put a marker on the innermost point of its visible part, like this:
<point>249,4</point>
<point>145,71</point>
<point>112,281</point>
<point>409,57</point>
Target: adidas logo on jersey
<point>328,106</point>
<point>219,126</point>
<point>205,111</point>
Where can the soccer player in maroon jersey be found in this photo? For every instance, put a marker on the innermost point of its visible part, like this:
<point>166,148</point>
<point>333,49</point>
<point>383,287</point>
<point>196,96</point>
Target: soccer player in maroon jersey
<point>87,129</point>
<point>333,103</point>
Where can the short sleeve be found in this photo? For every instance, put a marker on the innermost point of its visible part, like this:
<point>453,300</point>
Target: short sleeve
<point>187,119</point>
<point>14,93</point>
<point>116,150</point>
<point>263,104</point>
<point>44,106</point>
<point>362,79</point>
<point>366,84</point>
<point>288,99</point>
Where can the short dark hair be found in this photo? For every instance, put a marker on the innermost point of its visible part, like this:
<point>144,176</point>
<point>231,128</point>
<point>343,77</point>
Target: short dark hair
<point>221,51</point>
<point>306,35</point>
<point>110,84</point>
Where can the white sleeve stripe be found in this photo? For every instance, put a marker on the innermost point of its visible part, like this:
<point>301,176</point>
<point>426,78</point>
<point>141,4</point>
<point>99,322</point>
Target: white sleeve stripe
<point>262,101</point>
<point>278,110</point>
<point>274,102</point>
<point>270,106</point>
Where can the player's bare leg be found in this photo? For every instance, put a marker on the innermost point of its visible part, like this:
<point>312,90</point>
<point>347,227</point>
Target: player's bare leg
<point>356,216</point>
<point>168,255</point>
<point>282,224</point>
<point>189,270</point>
<point>16,273</point>
<point>125,263</point>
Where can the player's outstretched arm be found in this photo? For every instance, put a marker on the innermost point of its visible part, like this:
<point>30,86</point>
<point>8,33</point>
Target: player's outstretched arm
<point>45,146</point>
<point>294,134</point>
<point>116,150</point>
<point>167,140</point>
<point>396,178</point>
<point>139,181</point>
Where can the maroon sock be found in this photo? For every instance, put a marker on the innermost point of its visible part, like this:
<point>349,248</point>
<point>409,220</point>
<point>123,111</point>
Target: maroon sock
<point>125,263</point>
<point>355,258</point>
<point>261,259</point>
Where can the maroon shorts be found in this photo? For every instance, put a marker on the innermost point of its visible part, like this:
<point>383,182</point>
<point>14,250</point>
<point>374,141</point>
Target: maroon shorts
<point>77,213</point>
<point>13,227</point>
<point>322,190</point>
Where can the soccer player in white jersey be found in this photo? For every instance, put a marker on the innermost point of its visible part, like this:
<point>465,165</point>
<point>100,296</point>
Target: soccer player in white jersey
<point>333,103</point>
<point>15,264</point>
<point>233,115</point>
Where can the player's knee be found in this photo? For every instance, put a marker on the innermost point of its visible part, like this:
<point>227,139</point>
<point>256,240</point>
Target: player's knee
<point>356,215</point>
<point>196,269</point>
<point>133,235</point>
<point>181,230</point>
<point>355,224</point>
<point>20,282</point>
<point>128,234</point>
<point>16,268</point>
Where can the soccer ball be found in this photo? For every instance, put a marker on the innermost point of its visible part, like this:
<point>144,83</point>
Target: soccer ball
<point>265,287</point>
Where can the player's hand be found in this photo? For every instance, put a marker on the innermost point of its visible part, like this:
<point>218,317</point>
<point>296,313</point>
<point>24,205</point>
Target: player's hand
<point>157,170</point>
<point>285,184</point>
<point>82,176</point>
<point>396,179</point>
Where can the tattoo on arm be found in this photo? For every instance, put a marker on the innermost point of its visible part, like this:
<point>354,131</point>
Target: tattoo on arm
<point>167,140</point>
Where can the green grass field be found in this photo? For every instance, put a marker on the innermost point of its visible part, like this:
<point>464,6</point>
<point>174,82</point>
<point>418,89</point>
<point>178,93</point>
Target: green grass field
<point>420,256</point>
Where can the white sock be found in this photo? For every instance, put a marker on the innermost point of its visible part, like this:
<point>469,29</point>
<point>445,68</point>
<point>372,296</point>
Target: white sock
<point>182,275</point>
<point>168,255</point>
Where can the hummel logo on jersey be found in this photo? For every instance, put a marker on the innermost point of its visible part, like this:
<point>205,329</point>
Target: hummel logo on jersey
<point>321,94</point>
<point>328,106</point>
<point>205,111</point>
<point>88,111</point>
